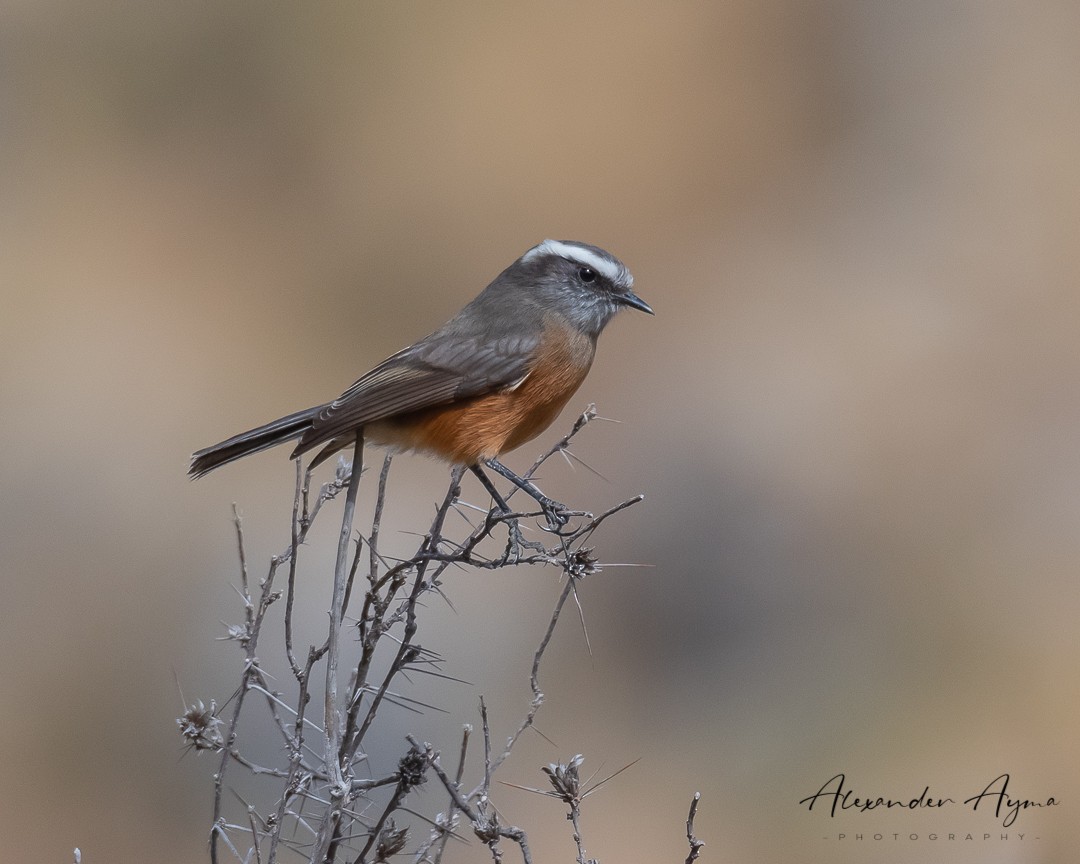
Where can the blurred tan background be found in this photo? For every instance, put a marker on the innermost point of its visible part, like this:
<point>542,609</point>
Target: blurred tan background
<point>855,415</point>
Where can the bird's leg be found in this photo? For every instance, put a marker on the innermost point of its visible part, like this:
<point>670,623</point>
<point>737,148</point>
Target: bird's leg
<point>557,514</point>
<point>491,490</point>
<point>517,540</point>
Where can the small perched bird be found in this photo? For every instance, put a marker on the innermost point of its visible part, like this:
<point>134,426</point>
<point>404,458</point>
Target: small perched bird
<point>491,378</point>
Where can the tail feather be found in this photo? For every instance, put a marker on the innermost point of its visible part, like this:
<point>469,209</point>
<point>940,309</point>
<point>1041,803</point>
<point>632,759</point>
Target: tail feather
<point>254,440</point>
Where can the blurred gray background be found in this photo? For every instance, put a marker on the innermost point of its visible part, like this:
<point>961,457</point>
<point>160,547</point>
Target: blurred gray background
<point>854,415</point>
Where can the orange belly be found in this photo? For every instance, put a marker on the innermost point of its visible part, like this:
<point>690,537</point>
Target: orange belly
<point>482,427</point>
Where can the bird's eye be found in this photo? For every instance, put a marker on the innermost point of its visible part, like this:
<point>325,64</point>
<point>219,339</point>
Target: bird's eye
<point>586,274</point>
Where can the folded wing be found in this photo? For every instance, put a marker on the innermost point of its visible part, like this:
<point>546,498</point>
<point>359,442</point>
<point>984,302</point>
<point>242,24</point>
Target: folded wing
<point>434,372</point>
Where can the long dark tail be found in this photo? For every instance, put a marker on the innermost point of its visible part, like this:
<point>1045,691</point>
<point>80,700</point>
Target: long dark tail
<point>262,438</point>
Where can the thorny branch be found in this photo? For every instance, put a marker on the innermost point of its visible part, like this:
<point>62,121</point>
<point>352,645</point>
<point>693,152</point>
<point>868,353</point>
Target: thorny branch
<point>317,807</point>
<point>695,844</point>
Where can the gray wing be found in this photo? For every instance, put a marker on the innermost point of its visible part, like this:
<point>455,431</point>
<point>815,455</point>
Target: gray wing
<point>433,372</point>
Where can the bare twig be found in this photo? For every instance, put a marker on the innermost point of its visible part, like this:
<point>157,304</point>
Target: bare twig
<point>290,596</point>
<point>253,623</point>
<point>376,522</point>
<point>321,810</point>
<point>486,828</point>
<point>695,844</point>
<point>448,828</point>
<point>339,785</point>
<point>534,676</point>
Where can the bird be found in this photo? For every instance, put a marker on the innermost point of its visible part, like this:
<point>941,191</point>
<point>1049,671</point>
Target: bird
<point>493,377</point>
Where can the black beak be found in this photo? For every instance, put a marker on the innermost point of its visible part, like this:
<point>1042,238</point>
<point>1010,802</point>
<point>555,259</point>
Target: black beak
<point>634,302</point>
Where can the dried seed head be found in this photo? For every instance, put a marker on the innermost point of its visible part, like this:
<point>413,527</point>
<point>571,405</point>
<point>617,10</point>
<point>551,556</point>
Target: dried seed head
<point>581,563</point>
<point>391,841</point>
<point>486,828</point>
<point>564,778</point>
<point>199,726</point>
<point>411,769</point>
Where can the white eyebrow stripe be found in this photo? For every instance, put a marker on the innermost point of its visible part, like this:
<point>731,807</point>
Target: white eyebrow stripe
<point>610,270</point>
